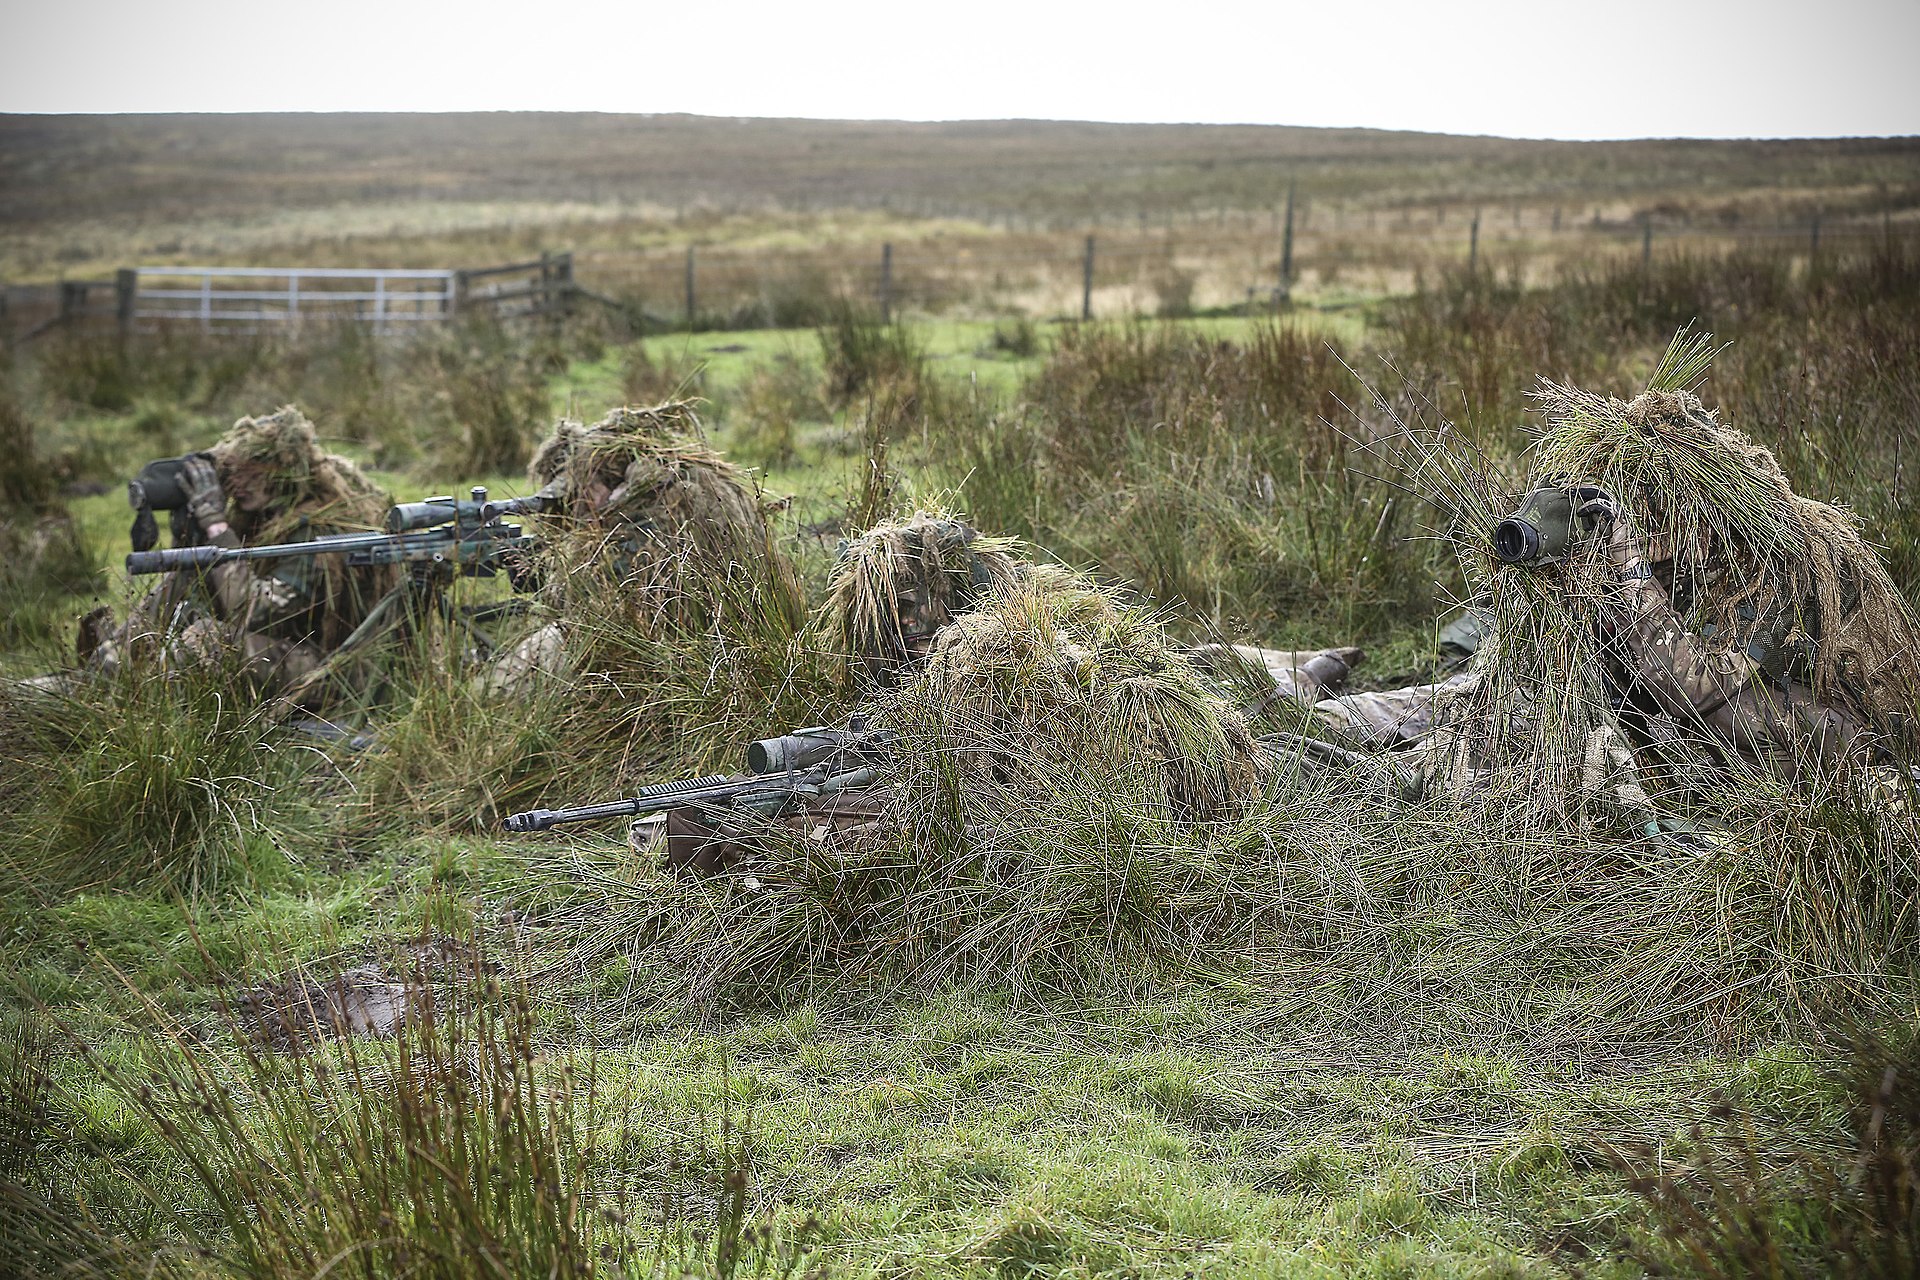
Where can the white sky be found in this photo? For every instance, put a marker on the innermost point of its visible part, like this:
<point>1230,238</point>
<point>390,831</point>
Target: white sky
<point>1597,69</point>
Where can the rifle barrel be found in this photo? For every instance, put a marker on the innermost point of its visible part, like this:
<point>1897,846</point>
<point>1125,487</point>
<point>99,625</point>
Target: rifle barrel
<point>646,800</point>
<point>139,562</point>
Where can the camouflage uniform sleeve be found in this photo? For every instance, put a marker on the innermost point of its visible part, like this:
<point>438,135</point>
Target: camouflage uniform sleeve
<point>1776,724</point>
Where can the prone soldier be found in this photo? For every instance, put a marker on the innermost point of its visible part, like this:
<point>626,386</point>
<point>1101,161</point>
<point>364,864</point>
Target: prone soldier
<point>266,480</point>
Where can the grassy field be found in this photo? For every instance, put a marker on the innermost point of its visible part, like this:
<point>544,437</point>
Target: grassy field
<point>986,218</point>
<point>1334,1038</point>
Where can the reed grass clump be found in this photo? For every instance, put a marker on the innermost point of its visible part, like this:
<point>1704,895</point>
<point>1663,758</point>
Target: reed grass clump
<point>862,356</point>
<point>44,556</point>
<point>1224,479</point>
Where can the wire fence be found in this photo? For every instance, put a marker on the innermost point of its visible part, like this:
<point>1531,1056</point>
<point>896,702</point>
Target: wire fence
<point>1228,262</point>
<point>1192,268</point>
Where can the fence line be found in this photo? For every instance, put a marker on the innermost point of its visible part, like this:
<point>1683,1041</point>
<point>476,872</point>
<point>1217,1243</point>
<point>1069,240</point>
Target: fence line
<point>1251,261</point>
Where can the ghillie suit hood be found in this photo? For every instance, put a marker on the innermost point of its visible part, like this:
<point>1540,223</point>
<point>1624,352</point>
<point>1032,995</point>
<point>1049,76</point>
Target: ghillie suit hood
<point>312,487</point>
<point>316,494</point>
<point>1054,682</point>
<point>896,585</point>
<point>671,517</point>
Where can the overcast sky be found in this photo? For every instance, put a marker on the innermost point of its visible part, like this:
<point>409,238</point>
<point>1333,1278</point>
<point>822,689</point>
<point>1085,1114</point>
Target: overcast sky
<point>1621,68</point>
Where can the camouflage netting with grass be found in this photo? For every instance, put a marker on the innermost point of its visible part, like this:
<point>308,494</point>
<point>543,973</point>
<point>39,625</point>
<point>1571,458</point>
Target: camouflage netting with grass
<point>1054,683</point>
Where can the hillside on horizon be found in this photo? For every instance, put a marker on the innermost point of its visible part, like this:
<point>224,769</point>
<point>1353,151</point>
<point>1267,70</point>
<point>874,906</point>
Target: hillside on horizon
<point>66,167</point>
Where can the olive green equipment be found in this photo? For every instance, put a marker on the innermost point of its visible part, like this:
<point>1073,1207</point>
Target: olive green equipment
<point>1546,525</point>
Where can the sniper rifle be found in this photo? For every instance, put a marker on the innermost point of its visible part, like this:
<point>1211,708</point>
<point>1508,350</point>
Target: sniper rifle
<point>466,535</point>
<point>780,772</point>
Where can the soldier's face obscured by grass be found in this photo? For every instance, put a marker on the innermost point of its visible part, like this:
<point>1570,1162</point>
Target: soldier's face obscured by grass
<point>596,496</point>
<point>250,488</point>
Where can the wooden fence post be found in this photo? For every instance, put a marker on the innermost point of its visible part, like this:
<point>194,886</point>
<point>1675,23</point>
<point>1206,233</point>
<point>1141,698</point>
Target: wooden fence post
<point>1813,238</point>
<point>692,310</point>
<point>456,295</point>
<point>126,287</point>
<point>1086,283</point>
<point>1473,244</point>
<point>886,283</point>
<point>1286,251</point>
<point>1646,244</point>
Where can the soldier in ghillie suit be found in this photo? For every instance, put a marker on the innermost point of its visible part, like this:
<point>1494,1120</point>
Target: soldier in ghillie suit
<point>898,584</point>
<point>1705,628</point>
<point>1758,624</point>
<point>894,589</point>
<point>267,480</point>
<point>1037,672</point>
<point>647,528</point>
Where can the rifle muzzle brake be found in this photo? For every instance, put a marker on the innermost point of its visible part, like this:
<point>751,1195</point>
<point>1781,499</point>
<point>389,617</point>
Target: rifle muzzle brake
<point>531,820</point>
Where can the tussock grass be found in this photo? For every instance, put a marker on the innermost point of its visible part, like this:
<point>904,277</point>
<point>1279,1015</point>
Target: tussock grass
<point>1310,1025</point>
<point>1071,807</point>
<point>45,557</point>
<point>1735,1207</point>
<point>1213,475</point>
<point>178,778</point>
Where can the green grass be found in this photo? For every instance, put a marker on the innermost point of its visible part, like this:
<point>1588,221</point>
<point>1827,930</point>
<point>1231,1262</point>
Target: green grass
<point>1440,1050</point>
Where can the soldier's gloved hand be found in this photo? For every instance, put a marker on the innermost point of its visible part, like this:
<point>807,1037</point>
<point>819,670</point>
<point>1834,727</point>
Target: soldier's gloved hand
<point>206,500</point>
<point>1599,512</point>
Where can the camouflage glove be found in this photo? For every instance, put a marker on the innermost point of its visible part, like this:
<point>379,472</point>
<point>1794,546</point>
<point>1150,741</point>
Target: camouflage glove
<point>206,501</point>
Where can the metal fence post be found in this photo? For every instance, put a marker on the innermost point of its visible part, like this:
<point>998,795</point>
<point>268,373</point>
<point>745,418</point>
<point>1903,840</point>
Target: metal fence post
<point>691,309</point>
<point>886,283</point>
<point>1473,245</point>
